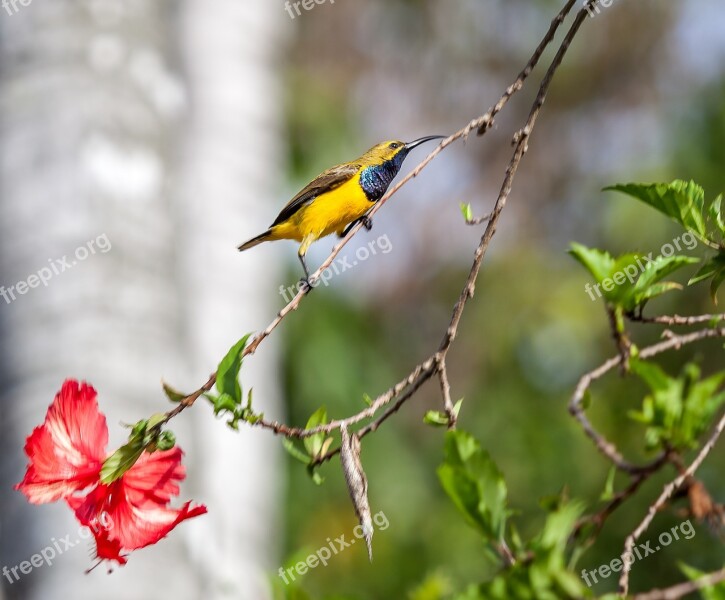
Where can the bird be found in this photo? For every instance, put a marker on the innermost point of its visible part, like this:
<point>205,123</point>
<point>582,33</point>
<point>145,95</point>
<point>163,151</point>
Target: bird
<point>338,198</point>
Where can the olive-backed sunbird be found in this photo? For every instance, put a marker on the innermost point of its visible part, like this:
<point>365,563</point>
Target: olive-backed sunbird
<point>338,198</point>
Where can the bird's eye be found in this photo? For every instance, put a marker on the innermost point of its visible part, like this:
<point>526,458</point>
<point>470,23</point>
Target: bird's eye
<point>395,145</point>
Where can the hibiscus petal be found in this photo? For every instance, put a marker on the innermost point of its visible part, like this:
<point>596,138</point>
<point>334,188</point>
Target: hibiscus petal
<point>107,548</point>
<point>136,506</point>
<point>136,527</point>
<point>143,516</point>
<point>67,451</point>
<point>155,477</point>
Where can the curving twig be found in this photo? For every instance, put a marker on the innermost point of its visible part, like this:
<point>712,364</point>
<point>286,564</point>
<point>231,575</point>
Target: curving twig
<point>679,320</point>
<point>666,494</point>
<point>683,589</point>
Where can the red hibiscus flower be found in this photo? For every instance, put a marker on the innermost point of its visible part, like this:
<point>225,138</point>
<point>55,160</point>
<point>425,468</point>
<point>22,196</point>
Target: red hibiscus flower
<point>66,455</point>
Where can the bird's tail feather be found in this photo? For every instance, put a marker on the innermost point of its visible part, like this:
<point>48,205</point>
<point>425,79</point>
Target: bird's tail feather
<point>267,235</point>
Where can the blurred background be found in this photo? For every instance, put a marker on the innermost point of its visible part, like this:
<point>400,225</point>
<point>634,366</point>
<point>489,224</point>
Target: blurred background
<point>179,129</point>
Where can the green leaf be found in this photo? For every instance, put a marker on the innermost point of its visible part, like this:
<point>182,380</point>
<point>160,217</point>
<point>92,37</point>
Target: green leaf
<point>710,592</point>
<point>436,418</point>
<point>326,446</point>
<point>679,410</point>
<point>559,525</point>
<point>294,451</point>
<point>313,443</point>
<point>715,214</point>
<point>474,484</point>
<point>541,571</point>
<point>154,420</point>
<point>224,403</point>
<point>608,492</point>
<point>586,399</point>
<point>682,201</point>
<point>138,430</point>
<point>630,280</point>
<point>457,407</point>
<point>314,474</point>
<point>569,583</point>
<point>467,212</point>
<point>166,440</point>
<point>599,263</point>
<point>649,284</point>
<point>653,291</point>
<point>715,268</point>
<point>651,374</point>
<point>120,462</point>
<point>172,394</point>
<point>709,269</point>
<point>716,283</point>
<point>367,400</point>
<point>227,378</point>
<point>662,266</point>
<point>703,399</point>
<point>625,272</point>
<point>253,418</point>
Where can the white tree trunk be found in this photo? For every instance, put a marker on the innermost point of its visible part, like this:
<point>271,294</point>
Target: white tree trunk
<point>231,165</point>
<point>92,113</point>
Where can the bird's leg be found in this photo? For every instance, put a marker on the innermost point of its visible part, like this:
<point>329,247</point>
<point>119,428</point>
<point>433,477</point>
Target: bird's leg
<point>306,278</point>
<point>306,242</point>
<point>366,221</point>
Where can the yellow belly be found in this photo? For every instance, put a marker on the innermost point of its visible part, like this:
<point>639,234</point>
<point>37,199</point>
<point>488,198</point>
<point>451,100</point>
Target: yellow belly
<point>326,214</point>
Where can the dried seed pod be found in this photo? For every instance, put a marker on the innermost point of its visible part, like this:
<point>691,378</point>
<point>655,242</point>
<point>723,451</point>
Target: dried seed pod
<point>357,483</point>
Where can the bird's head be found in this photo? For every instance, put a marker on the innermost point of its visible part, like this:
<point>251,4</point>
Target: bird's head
<point>394,150</point>
<point>382,163</point>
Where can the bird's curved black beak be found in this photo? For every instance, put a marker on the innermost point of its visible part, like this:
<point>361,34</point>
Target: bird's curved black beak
<point>414,144</point>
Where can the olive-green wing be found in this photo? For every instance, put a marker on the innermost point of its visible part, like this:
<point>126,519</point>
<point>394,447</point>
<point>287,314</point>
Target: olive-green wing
<point>329,180</point>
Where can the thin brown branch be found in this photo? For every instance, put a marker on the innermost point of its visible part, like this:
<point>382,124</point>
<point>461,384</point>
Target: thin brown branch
<point>414,380</point>
<point>479,220</point>
<point>624,346</point>
<point>666,494</point>
<point>446,392</point>
<point>518,84</point>
<point>395,407</point>
<point>521,146</point>
<point>679,320</point>
<point>683,589</point>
